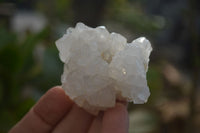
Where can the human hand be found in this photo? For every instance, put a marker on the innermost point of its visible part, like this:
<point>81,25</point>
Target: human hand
<point>56,113</point>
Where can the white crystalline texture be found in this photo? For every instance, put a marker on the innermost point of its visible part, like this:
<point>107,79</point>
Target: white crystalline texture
<point>101,67</point>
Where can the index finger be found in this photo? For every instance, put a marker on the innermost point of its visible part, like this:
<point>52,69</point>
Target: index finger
<point>48,111</point>
<point>115,120</point>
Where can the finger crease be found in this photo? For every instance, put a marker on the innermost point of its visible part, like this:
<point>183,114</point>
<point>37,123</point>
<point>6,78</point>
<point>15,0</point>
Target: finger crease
<point>42,119</point>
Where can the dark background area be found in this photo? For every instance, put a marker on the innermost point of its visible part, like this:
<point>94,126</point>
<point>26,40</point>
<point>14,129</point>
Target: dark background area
<point>29,62</point>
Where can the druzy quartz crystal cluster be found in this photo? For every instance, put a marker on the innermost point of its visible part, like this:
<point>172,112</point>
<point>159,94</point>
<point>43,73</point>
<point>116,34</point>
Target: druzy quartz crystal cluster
<point>101,67</point>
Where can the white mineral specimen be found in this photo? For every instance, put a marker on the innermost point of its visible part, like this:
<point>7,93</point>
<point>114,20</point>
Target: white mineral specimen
<point>101,67</point>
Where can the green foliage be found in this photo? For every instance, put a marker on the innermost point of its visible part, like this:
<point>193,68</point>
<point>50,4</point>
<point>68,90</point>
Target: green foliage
<point>19,69</point>
<point>155,82</point>
<point>131,15</point>
<point>26,74</point>
<point>61,9</point>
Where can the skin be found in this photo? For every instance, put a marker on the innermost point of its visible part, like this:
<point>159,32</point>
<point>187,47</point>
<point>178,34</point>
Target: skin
<point>56,113</point>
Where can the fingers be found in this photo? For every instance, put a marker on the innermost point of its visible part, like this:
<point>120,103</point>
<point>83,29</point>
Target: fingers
<point>76,121</point>
<point>31,123</point>
<point>56,112</point>
<point>115,120</point>
<point>96,124</point>
<point>53,106</point>
<point>49,110</point>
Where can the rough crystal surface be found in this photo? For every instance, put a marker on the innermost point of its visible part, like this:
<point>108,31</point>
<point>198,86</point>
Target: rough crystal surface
<point>101,67</point>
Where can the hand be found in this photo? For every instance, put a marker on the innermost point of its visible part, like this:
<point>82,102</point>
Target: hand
<point>56,113</point>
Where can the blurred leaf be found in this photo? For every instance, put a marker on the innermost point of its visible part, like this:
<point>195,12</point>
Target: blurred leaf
<point>155,82</point>
<point>10,57</point>
<point>143,121</point>
<point>52,62</point>
<point>30,42</point>
<point>9,52</point>
<point>133,17</point>
<point>1,92</point>
<point>24,107</point>
<point>52,69</point>
<point>7,119</point>
<point>6,38</point>
<point>137,22</point>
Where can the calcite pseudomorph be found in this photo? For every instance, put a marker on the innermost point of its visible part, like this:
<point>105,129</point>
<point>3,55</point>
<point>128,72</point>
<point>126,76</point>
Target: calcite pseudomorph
<point>101,67</point>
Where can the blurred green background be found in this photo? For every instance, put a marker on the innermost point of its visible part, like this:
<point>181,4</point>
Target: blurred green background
<point>29,62</point>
